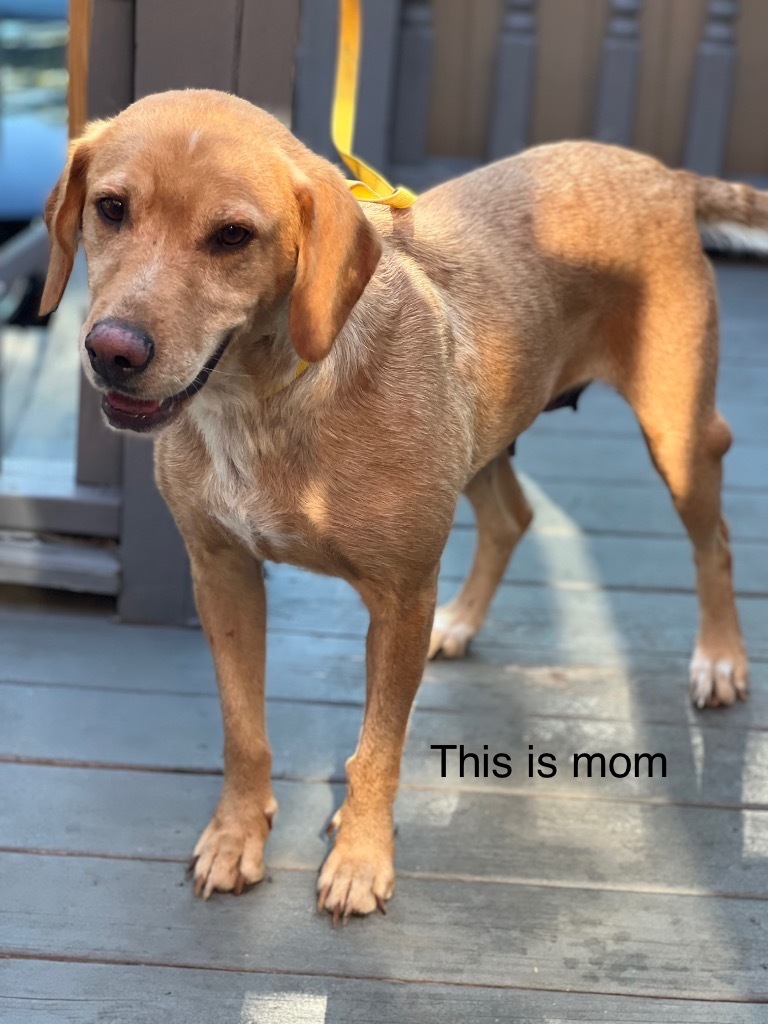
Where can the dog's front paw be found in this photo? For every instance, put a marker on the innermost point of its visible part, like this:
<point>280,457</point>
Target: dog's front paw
<point>451,632</point>
<point>230,853</point>
<point>718,676</point>
<point>356,878</point>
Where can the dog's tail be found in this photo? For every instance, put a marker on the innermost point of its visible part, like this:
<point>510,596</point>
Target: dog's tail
<point>732,217</point>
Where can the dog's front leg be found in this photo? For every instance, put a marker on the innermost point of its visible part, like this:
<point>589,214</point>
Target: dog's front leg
<point>358,874</point>
<point>229,591</point>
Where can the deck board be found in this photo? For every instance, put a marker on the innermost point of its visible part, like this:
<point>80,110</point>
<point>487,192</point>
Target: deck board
<point>178,733</point>
<point>39,992</point>
<point>626,509</point>
<point>578,625</point>
<point>577,939</point>
<point>491,680</point>
<point>603,412</point>
<point>623,846</point>
<point>600,459</point>
<point>526,899</point>
<point>537,623</point>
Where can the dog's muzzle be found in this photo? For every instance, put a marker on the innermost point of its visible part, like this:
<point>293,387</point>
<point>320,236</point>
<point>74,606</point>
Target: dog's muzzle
<point>141,415</point>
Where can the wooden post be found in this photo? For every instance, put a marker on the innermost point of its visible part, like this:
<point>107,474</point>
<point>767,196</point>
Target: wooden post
<point>411,107</point>
<point>381,25</point>
<point>189,45</point>
<point>513,93</point>
<point>619,74</point>
<point>265,74</point>
<point>109,88</point>
<point>315,57</point>
<point>155,585</point>
<point>77,64</point>
<point>710,108</point>
<point>315,74</point>
<point>199,44</point>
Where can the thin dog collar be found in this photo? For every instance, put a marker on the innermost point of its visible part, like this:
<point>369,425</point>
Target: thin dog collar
<point>301,367</point>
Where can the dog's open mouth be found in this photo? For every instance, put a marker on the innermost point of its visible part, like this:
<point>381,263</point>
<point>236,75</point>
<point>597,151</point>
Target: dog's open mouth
<point>132,414</point>
<point>127,413</point>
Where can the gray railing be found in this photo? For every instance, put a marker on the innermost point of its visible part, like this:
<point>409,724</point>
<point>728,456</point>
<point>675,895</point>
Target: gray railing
<point>396,81</point>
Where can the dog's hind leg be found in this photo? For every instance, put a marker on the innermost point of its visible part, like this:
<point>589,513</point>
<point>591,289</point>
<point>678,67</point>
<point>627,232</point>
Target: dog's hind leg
<point>503,514</point>
<point>670,383</point>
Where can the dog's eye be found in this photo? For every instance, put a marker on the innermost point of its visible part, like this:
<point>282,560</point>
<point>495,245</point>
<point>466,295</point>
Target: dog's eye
<point>111,209</point>
<point>233,235</point>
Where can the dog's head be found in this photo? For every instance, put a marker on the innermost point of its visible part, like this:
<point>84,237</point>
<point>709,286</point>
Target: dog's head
<point>201,216</point>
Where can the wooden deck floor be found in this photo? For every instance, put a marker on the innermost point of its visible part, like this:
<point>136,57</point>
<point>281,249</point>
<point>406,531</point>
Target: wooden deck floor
<point>546,900</point>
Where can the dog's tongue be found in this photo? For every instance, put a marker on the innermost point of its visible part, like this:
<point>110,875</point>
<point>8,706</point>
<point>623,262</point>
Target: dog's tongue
<point>133,405</point>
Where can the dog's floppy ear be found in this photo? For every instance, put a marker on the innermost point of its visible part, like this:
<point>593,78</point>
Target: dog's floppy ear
<point>63,214</point>
<point>338,253</point>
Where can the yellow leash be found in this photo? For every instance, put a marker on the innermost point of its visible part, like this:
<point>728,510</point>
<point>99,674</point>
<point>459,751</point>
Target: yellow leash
<point>369,186</point>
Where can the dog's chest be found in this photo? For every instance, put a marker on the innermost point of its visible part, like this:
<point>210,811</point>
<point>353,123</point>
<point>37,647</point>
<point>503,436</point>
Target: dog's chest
<point>238,492</point>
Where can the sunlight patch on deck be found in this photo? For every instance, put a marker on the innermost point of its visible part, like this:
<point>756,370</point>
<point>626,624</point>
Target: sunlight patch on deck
<point>283,1008</point>
<point>584,569</point>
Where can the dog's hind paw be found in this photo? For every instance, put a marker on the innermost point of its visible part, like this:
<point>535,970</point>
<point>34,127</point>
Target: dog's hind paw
<point>718,679</point>
<point>229,855</point>
<point>451,633</point>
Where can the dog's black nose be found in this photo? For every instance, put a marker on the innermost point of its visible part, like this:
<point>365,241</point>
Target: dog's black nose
<point>118,350</point>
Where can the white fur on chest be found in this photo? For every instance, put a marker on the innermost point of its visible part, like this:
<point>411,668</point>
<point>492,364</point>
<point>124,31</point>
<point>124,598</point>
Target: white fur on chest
<point>233,495</point>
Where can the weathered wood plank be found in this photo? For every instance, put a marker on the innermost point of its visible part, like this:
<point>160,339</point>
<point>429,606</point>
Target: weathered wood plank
<point>598,460</point>
<point>577,626</point>
<point>512,100</point>
<point>619,74</point>
<point>46,427</point>
<point>77,64</point>
<point>711,94</point>
<point>330,669</point>
<point>315,68</point>
<point>193,46</point>
<point>265,55</point>
<point>378,67</point>
<point>616,562</point>
<point>742,293</point>
<point>738,382</point>
<point>67,993</point>
<point>543,557</point>
<point>531,838</point>
<point>602,411</point>
<point>531,937</point>
<point>110,70</point>
<point>581,627</point>
<point>156,583</point>
<point>628,508</point>
<point>23,354</point>
<point>315,61</point>
<point>26,559</point>
<point>412,83</point>
<point>310,741</point>
<point>538,624</point>
<point>743,343</point>
<point>38,494</point>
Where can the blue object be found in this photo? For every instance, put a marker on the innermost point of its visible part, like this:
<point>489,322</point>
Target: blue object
<point>37,10</point>
<point>32,154</point>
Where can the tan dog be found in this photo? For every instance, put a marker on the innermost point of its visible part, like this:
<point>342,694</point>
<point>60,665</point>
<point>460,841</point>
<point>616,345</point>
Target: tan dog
<point>220,250</point>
